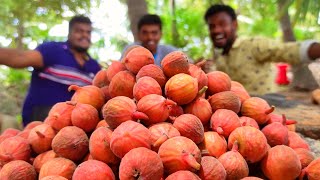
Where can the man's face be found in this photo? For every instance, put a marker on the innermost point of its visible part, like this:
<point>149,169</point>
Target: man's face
<point>150,35</point>
<point>80,36</point>
<point>222,29</point>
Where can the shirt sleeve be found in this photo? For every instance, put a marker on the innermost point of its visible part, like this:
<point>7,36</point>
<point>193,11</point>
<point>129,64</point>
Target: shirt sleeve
<point>47,50</point>
<point>264,49</point>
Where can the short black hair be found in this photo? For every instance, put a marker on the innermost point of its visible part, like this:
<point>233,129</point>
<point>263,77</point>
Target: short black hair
<point>217,8</point>
<point>148,19</point>
<point>79,19</point>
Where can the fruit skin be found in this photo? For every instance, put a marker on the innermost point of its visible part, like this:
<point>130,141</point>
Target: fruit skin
<point>137,58</point>
<point>93,169</point>
<point>129,135</point>
<point>174,63</point>
<point>224,121</point>
<point>305,156</point>
<point>213,144</point>
<point>183,175</point>
<point>122,84</point>
<point>114,68</point>
<point>141,163</point>
<point>180,153</point>
<point>190,126</point>
<point>88,95</point>
<point>58,166</point>
<point>145,86</point>
<point>311,171</point>
<point>120,109</point>
<point>85,117</point>
<point>153,71</point>
<point>225,100</point>
<point>281,162</point>
<point>211,169</point>
<point>257,108</point>
<point>14,148</point>
<point>181,88</point>
<point>161,132</point>
<point>16,170</point>
<point>71,142</point>
<point>218,81</point>
<point>40,138</point>
<point>252,149</point>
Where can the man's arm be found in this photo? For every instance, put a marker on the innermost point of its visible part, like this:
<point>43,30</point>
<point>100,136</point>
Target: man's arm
<point>20,59</point>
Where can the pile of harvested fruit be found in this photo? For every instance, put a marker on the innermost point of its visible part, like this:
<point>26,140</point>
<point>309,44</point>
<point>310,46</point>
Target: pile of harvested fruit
<point>169,122</point>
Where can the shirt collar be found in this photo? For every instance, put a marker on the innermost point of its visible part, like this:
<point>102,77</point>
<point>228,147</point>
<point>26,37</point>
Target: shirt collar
<point>66,46</point>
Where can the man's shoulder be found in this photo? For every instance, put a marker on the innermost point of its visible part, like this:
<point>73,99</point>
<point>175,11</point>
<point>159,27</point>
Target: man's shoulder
<point>52,45</point>
<point>167,47</point>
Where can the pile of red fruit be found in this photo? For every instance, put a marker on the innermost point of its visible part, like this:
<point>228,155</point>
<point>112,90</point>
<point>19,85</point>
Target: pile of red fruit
<point>169,122</point>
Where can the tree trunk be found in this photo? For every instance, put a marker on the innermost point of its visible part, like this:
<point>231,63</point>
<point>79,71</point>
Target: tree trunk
<point>136,9</point>
<point>302,76</point>
<point>174,30</point>
<point>20,34</point>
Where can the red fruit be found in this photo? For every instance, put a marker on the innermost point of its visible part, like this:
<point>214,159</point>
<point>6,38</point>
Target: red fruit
<point>141,163</point>
<point>276,134</point>
<point>100,79</point>
<point>43,158</point>
<point>88,95</point>
<point>102,123</point>
<point>10,131</point>
<point>16,170</point>
<point>114,68</point>
<point>281,162</point>
<point>60,115</point>
<point>179,153</point>
<point>99,146</point>
<point>32,125</point>
<point>224,122</point>
<point>280,119</point>
<point>183,175</point>
<point>200,107</point>
<point>199,74</point>
<point>181,88</point>
<point>14,148</point>
<point>24,134</point>
<point>137,58</point>
<point>235,165</point>
<point>93,169</point>
<point>122,84</point>
<point>105,90</point>
<point>175,111</point>
<point>257,108</point>
<point>161,132</point>
<point>211,169</point>
<point>145,86</point>
<point>153,71</point>
<point>305,156</point>
<point>252,143</point>
<point>247,121</point>
<point>58,166</point>
<point>174,63</point>
<point>213,144</point>
<point>54,177</point>
<point>85,116</point>
<point>295,141</point>
<point>251,178</point>
<point>190,126</point>
<point>40,138</point>
<point>156,107</point>
<point>240,91</point>
<point>71,142</point>
<point>120,109</point>
<point>218,82</point>
<point>311,171</point>
<point>129,135</point>
<point>225,100</point>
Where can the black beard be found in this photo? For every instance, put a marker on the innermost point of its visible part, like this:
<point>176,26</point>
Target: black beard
<point>80,49</point>
<point>228,46</point>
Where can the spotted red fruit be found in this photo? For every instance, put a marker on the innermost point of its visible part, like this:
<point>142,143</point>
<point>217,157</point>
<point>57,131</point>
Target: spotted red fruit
<point>137,58</point>
<point>145,86</point>
<point>122,84</point>
<point>88,95</point>
<point>153,71</point>
<point>174,63</point>
<point>93,169</point>
<point>218,82</point>
<point>114,68</point>
<point>213,144</point>
<point>211,169</point>
<point>190,126</point>
<point>161,132</point>
<point>18,169</point>
<point>183,175</point>
<point>224,121</point>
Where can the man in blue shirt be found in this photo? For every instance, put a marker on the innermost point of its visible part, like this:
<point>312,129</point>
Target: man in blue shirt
<point>56,66</point>
<point>149,35</point>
